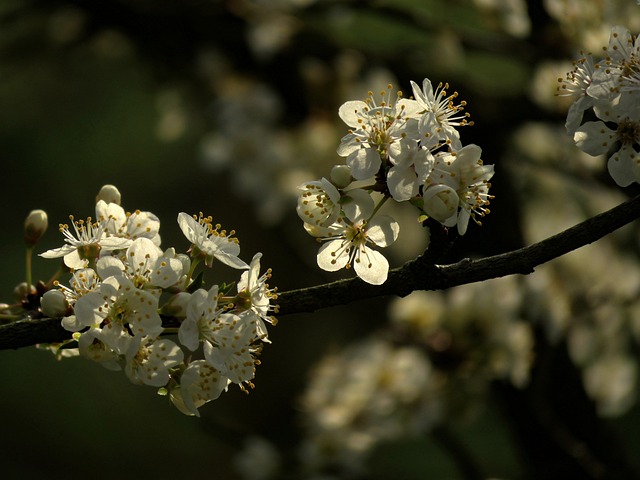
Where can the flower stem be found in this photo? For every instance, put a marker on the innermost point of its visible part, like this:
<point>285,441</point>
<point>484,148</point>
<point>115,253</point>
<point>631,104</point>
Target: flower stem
<point>29,254</point>
<point>375,210</point>
<point>194,264</point>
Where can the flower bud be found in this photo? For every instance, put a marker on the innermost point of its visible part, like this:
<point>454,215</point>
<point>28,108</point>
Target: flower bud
<point>35,225</point>
<point>109,194</point>
<point>341,176</point>
<point>22,291</point>
<point>441,203</point>
<point>54,304</point>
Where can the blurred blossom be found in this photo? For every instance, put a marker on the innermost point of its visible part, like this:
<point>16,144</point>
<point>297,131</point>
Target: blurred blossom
<point>612,382</point>
<point>544,86</point>
<point>511,14</point>
<point>548,144</point>
<point>556,201</point>
<point>446,350</point>
<point>474,333</point>
<point>173,120</point>
<point>370,392</point>
<point>580,297</point>
<point>587,22</point>
<point>419,313</point>
<point>489,338</point>
<point>266,161</point>
<point>270,34</point>
<point>258,460</point>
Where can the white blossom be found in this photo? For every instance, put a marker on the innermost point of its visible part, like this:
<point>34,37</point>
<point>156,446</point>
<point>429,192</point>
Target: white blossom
<point>212,242</point>
<point>200,383</point>
<point>88,242</point>
<point>148,360</point>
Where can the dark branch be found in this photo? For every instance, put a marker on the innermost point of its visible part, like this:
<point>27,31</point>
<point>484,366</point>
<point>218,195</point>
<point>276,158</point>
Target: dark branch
<point>418,274</point>
<point>421,275</point>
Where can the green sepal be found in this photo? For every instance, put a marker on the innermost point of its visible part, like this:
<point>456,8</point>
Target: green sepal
<point>197,283</point>
<point>225,288</point>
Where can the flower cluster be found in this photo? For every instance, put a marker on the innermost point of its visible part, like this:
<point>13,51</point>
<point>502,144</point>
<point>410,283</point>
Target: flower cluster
<point>610,88</point>
<point>127,295</point>
<point>435,363</point>
<point>408,150</point>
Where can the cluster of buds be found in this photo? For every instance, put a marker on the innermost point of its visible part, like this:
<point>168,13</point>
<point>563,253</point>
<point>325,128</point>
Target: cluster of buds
<point>609,88</point>
<point>408,150</point>
<point>132,306</point>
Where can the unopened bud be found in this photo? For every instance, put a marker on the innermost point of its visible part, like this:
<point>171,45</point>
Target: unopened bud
<point>109,194</point>
<point>341,176</point>
<point>22,291</point>
<point>35,225</point>
<point>54,304</point>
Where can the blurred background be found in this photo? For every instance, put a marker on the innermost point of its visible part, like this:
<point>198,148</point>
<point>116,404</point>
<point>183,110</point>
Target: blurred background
<point>225,107</point>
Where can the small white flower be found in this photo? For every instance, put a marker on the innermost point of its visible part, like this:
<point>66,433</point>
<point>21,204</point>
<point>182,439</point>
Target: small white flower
<point>209,240</point>
<point>254,297</point>
<point>618,72</point>
<point>199,323</point>
<point>134,225</point>
<point>348,242</point>
<point>577,83</point>
<point>374,127</point>
<point>129,311</point>
<point>597,138</point>
<point>458,188</point>
<point>145,265</point>
<point>200,383</point>
<point>148,361</point>
<point>412,164</point>
<point>441,115</point>
<point>318,202</point>
<point>232,353</point>
<point>472,185</point>
<point>89,241</point>
<point>91,346</point>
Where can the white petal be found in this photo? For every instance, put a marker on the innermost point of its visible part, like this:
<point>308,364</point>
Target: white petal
<point>463,221</point>
<point>351,111</point>
<point>383,230</point>
<point>188,225</point>
<point>357,205</point>
<point>402,183</point>
<point>143,224</point>
<point>71,324</point>
<point>91,309</point>
<point>624,166</point>
<point>58,252</point>
<point>364,163</point>
<point>188,334</point>
<point>408,107</point>
<point>373,267</point>
<point>109,266</point>
<point>348,144</point>
<point>594,138</point>
<point>166,272</point>
<point>332,257</point>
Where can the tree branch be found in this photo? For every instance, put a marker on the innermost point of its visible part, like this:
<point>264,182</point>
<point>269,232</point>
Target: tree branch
<point>418,274</point>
